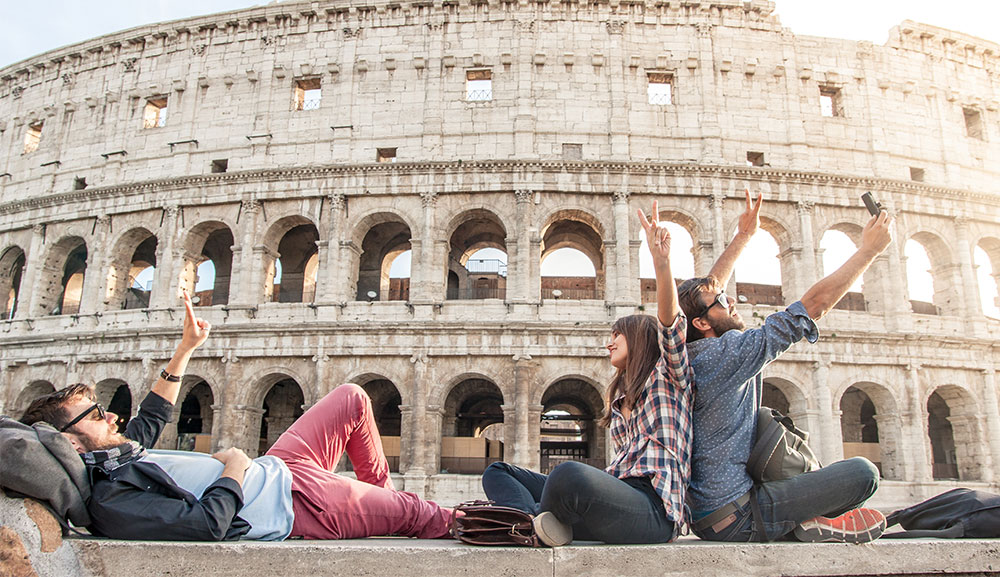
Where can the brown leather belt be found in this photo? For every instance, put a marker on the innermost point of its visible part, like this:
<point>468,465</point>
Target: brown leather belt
<point>721,517</point>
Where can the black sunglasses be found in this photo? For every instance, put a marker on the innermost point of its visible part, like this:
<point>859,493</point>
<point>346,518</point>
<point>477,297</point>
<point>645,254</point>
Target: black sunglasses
<point>719,299</point>
<point>102,414</point>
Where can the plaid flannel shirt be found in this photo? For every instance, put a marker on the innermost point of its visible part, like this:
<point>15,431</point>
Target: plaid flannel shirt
<point>655,441</point>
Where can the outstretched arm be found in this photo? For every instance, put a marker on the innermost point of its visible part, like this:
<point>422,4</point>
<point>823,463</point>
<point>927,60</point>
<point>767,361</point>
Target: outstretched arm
<point>658,238</point>
<point>748,225</point>
<point>826,293</point>
<point>195,332</point>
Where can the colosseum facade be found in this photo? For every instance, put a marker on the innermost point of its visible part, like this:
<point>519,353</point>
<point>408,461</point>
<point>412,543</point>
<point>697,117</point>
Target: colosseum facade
<point>298,149</point>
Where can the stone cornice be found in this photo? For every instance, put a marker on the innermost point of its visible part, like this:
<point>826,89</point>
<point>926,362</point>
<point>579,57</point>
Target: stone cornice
<point>515,169</point>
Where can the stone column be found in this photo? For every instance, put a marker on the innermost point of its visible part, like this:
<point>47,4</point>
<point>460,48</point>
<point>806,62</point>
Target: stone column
<point>34,275</point>
<point>249,275</point>
<point>97,268</point>
<point>965,276</point>
<point>331,283</point>
<point>414,439</point>
<point>519,268</point>
<point>809,268</point>
<point>426,273</point>
<point>717,203</point>
<point>897,309</point>
<point>992,418</point>
<point>165,283</point>
<point>618,105</point>
<point>510,448</point>
<point>831,446</point>
<point>918,456</point>
<point>521,452</point>
<point>711,131</point>
<point>625,288</point>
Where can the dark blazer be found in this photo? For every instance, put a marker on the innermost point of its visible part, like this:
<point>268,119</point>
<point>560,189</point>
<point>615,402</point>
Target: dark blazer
<point>140,501</point>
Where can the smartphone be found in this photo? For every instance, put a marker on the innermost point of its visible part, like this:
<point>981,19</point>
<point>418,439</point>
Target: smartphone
<point>873,206</point>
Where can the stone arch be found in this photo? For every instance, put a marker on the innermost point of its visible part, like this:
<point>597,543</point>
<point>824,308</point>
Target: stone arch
<point>569,430</point>
<point>282,402</point>
<point>195,417</point>
<point>871,427</point>
<point>988,281</point>
<point>576,229</point>
<point>473,404</point>
<point>381,237</point>
<point>62,274</point>
<point>291,245</point>
<point>941,257</point>
<point>854,300</point>
<point>132,252</point>
<point>691,228</point>
<point>469,232</point>
<point>116,395</point>
<point>210,241</point>
<point>12,261</point>
<point>955,434</point>
<point>785,393</point>
<point>767,293</point>
<point>29,393</point>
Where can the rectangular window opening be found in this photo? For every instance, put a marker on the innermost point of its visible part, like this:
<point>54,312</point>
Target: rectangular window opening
<point>973,123</point>
<point>220,165</point>
<point>479,85</point>
<point>33,136</point>
<point>830,104</point>
<point>916,174</point>
<point>755,158</point>
<point>308,93</point>
<point>660,89</point>
<point>155,113</point>
<point>79,183</point>
<point>385,155</point>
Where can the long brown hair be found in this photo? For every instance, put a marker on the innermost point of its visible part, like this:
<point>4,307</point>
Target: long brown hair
<point>643,352</point>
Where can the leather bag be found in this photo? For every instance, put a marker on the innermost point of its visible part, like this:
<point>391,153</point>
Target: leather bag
<point>956,514</point>
<point>780,450</point>
<point>484,523</point>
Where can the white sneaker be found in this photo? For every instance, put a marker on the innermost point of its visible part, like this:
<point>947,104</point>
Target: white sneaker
<point>552,531</point>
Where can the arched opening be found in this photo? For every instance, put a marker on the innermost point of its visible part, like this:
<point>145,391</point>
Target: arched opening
<point>68,257</point>
<point>572,259</point>
<point>74,270</point>
<point>388,418</point>
<point>116,395</point>
<point>296,265</point>
<point>470,408</point>
<point>130,276</point>
<point>957,446</point>
<point>569,431</point>
<point>859,428</point>
<point>282,406</point>
<point>399,275</point>
<point>919,280</point>
<point>758,271</point>
<point>381,245</point>
<point>208,264</point>
<point>985,257</point>
<point>773,397</point>
<point>477,259</point>
<point>194,421</point>
<point>11,269</point>
<point>681,259</point>
<point>836,247</point>
<point>33,391</point>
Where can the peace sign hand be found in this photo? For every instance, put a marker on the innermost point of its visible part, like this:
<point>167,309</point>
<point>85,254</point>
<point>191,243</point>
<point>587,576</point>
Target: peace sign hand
<point>658,237</point>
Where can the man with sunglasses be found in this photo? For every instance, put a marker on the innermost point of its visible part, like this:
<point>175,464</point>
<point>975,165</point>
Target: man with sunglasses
<point>727,359</point>
<point>173,495</point>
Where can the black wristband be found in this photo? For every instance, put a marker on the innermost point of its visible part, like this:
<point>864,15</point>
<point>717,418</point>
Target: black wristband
<point>168,377</point>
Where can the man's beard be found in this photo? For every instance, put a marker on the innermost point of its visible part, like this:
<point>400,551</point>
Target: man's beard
<point>726,324</point>
<point>109,441</point>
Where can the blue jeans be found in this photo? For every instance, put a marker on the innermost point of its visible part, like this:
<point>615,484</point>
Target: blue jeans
<point>598,506</point>
<point>829,492</point>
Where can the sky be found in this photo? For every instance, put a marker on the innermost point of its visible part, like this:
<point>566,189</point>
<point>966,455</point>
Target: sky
<point>30,28</point>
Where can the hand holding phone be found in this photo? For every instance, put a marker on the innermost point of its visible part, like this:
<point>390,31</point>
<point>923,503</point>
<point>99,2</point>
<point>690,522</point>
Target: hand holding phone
<point>873,207</point>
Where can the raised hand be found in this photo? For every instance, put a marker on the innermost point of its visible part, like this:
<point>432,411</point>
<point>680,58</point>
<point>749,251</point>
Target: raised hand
<point>877,233</point>
<point>750,219</point>
<point>195,330</point>
<point>657,237</point>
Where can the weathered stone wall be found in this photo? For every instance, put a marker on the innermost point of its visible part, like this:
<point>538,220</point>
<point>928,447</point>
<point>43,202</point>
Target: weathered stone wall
<point>394,76</point>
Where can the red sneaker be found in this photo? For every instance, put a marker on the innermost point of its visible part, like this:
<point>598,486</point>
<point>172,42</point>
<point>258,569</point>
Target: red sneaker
<point>855,526</point>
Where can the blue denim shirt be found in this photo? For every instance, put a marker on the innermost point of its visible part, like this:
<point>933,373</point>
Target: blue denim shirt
<point>727,374</point>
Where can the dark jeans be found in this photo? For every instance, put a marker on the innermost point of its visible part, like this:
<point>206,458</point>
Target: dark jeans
<point>829,492</point>
<point>598,506</point>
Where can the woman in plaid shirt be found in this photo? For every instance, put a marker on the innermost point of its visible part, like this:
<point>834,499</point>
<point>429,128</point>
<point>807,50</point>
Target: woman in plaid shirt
<point>639,498</point>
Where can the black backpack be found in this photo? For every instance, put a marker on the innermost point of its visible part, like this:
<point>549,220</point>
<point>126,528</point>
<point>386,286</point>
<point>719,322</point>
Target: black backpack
<point>952,515</point>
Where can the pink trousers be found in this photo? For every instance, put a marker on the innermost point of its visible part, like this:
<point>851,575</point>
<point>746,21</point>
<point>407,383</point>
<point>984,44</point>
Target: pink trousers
<point>330,506</point>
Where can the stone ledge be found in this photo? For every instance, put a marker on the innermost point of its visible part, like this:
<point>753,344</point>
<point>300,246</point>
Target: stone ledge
<point>396,556</point>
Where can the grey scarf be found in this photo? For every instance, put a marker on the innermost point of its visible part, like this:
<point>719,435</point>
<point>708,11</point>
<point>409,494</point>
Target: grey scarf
<point>114,458</point>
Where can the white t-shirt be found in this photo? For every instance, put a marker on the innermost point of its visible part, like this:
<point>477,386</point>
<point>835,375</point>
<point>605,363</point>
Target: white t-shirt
<point>267,488</point>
